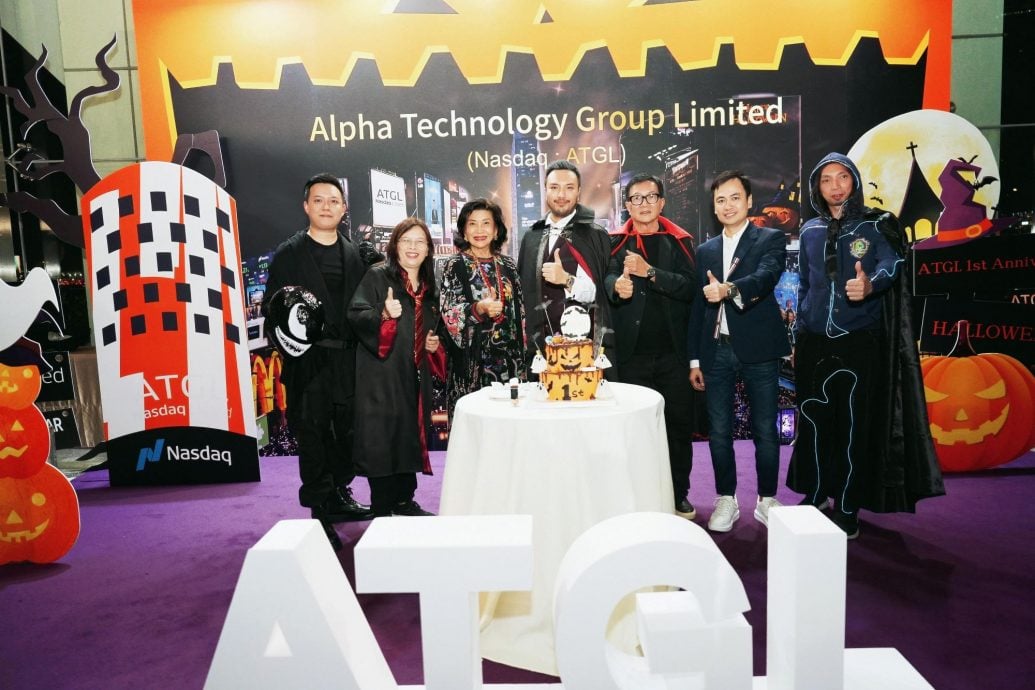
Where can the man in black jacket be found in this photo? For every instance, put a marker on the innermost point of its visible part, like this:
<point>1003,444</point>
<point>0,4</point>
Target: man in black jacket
<point>562,261</point>
<point>650,281</point>
<point>320,383</point>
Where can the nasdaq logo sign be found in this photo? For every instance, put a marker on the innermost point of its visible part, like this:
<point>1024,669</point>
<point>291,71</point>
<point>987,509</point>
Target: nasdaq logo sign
<point>150,454</point>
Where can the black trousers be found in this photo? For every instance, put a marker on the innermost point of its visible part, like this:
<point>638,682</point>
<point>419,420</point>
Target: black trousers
<point>323,429</point>
<point>833,377</point>
<point>669,375</point>
<point>390,491</point>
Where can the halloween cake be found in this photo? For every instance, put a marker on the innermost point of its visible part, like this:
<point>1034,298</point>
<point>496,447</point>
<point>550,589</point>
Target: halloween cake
<point>570,373</point>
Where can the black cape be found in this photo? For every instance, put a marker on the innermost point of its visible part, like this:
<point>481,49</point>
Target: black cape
<point>903,468</point>
<point>386,438</point>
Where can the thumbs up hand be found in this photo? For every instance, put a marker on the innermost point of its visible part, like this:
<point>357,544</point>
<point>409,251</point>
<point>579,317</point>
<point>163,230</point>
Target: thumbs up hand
<point>859,287</point>
<point>553,271</point>
<point>635,264</point>
<point>624,284</point>
<point>490,305</point>
<point>393,307</point>
<point>714,291</point>
<point>431,342</point>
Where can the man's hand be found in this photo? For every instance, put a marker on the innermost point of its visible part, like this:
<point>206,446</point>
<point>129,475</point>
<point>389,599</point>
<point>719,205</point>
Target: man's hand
<point>393,308</point>
<point>553,272</point>
<point>624,285</point>
<point>859,287</point>
<point>714,291</point>
<point>490,305</point>
<point>635,264</point>
<point>431,342</point>
<point>697,379</point>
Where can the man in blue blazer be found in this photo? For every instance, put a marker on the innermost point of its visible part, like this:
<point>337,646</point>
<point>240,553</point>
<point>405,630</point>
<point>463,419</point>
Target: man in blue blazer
<point>737,329</point>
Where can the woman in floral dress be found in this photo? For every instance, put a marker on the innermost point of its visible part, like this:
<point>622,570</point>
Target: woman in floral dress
<point>481,304</point>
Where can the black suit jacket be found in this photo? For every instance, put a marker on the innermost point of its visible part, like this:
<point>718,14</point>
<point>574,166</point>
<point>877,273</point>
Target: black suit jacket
<point>756,329</point>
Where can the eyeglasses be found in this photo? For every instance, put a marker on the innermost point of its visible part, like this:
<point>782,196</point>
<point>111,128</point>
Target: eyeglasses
<point>413,244</point>
<point>637,199</point>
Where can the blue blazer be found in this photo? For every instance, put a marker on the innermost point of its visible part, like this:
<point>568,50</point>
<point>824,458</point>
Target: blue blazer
<point>757,331</point>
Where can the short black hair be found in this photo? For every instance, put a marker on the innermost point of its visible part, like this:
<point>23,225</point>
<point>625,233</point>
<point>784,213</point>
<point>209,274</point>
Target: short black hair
<point>461,243</point>
<point>562,165</point>
<point>322,178</point>
<point>644,177</point>
<point>727,175</point>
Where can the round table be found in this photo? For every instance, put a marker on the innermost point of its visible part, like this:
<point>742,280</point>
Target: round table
<point>570,466</point>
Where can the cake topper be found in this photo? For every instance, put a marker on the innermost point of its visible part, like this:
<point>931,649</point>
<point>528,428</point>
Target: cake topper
<point>546,313</point>
<point>575,322</point>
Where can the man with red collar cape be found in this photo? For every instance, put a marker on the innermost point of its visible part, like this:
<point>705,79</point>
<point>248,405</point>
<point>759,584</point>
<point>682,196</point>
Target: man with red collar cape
<point>650,282</point>
<point>562,262</point>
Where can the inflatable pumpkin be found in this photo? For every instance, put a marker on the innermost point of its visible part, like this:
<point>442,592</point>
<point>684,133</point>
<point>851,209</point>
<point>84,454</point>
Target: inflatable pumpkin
<point>981,407</point>
<point>39,517</point>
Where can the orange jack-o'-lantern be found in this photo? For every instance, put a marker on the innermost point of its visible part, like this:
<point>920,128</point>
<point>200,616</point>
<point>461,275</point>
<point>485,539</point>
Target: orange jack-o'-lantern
<point>570,355</point>
<point>39,517</point>
<point>19,386</point>
<point>980,407</point>
<point>24,441</point>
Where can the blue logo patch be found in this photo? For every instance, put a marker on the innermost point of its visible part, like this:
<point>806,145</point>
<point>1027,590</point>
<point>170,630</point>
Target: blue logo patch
<point>150,454</point>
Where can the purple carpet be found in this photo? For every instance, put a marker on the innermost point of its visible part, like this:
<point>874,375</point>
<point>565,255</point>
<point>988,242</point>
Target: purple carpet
<point>141,598</point>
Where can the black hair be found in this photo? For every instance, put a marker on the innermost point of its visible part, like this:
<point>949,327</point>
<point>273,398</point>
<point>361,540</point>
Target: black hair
<point>322,178</point>
<point>461,243</point>
<point>563,165</point>
<point>427,267</point>
<point>644,177</point>
<point>727,175</point>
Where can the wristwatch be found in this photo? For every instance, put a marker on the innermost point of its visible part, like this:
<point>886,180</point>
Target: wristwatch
<point>731,291</point>
<point>570,282</point>
<point>651,272</point>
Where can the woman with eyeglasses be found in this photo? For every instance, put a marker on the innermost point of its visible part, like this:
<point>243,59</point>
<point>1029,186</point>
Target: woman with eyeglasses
<point>481,304</point>
<point>395,316</point>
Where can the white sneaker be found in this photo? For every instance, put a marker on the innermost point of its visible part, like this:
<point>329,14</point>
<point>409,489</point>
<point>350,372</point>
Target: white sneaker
<point>762,508</point>
<point>725,514</point>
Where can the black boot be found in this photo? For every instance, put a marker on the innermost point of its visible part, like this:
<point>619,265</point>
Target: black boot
<point>340,506</point>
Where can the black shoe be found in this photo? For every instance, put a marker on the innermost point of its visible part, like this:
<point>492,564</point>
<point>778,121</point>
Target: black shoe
<point>332,535</point>
<point>340,506</point>
<point>685,509</point>
<point>848,522</point>
<point>410,507</point>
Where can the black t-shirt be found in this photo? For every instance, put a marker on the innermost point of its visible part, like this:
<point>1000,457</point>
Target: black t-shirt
<point>330,261</point>
<point>655,336</point>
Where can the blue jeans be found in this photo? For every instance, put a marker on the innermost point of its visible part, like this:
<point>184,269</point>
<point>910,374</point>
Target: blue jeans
<point>761,385</point>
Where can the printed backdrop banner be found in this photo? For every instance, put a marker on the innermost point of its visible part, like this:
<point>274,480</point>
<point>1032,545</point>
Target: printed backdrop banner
<point>446,100</point>
<point>168,308</point>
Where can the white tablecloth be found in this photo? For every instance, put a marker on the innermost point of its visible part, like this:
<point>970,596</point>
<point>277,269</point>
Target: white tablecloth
<point>570,466</point>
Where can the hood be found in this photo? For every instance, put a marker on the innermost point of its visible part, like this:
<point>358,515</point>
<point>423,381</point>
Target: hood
<point>854,204</point>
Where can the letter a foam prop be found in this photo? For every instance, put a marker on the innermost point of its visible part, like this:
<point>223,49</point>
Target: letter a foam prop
<point>294,621</point>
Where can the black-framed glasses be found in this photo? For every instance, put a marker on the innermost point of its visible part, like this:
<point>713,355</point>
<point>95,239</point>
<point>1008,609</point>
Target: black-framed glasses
<point>637,199</point>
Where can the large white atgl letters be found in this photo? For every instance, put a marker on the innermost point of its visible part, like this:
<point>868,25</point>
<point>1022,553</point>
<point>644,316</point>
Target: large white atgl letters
<point>295,622</point>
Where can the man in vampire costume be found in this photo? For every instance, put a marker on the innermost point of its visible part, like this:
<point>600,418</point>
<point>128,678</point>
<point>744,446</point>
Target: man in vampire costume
<point>320,383</point>
<point>650,281</point>
<point>863,435</point>
<point>562,261</point>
